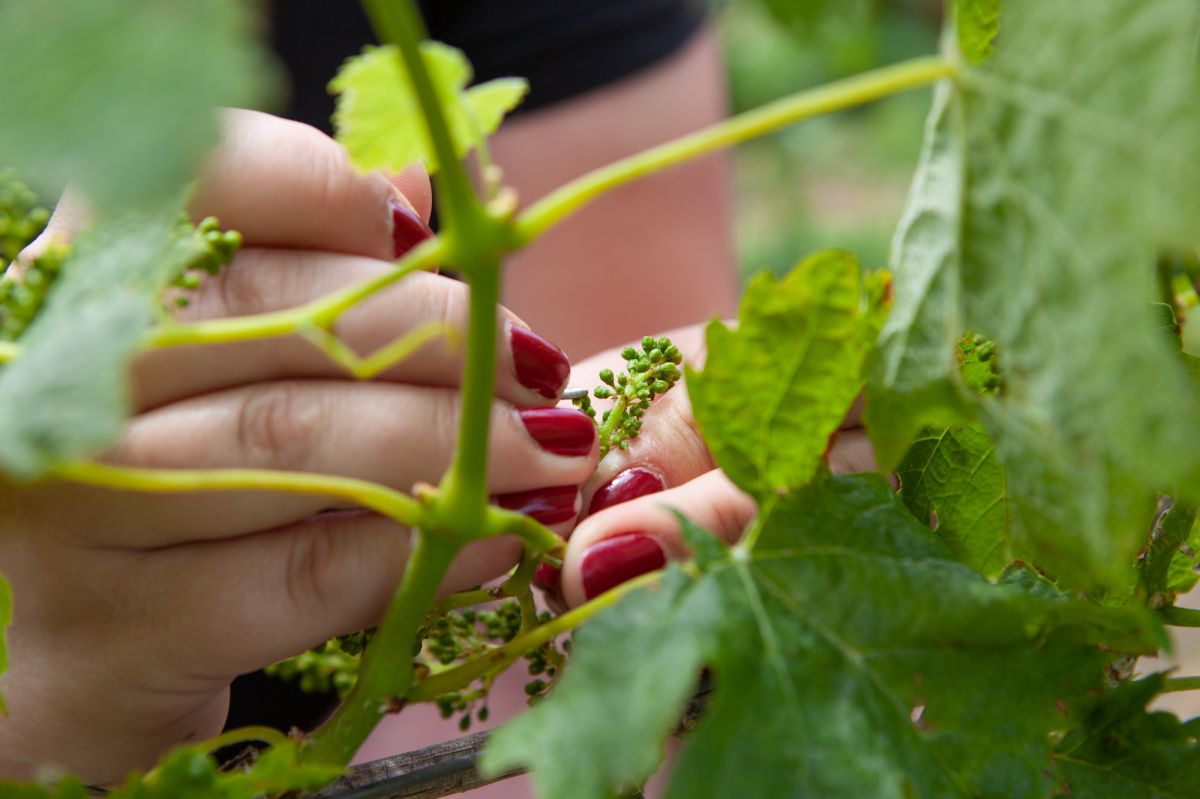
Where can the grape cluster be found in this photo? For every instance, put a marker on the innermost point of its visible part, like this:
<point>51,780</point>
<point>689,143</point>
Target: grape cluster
<point>207,250</point>
<point>22,218</point>
<point>320,669</point>
<point>22,297</point>
<point>980,369</point>
<point>649,372</point>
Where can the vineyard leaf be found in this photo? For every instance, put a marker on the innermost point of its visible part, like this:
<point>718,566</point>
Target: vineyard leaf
<point>633,669</point>
<point>119,98</point>
<point>379,119</point>
<point>858,660</point>
<point>66,395</point>
<point>1076,172</point>
<point>1181,574</point>
<point>1124,752</point>
<point>977,23</point>
<point>953,475</point>
<point>915,382</point>
<point>850,657</point>
<point>798,351</point>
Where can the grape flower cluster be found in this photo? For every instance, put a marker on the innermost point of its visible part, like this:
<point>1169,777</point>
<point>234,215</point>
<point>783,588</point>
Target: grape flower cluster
<point>22,217</point>
<point>649,373</point>
<point>208,249</point>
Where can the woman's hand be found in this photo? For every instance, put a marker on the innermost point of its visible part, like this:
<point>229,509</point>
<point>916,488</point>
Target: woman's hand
<point>134,612</point>
<point>629,528</point>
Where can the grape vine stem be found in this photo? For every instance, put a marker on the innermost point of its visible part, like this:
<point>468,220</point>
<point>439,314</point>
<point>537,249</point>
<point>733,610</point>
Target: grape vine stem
<point>836,96</point>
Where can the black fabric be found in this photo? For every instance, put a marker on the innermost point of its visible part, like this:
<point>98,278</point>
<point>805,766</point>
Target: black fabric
<point>563,47</point>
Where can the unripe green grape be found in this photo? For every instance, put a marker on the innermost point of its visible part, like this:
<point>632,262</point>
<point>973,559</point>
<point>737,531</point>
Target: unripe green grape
<point>629,354</point>
<point>606,376</point>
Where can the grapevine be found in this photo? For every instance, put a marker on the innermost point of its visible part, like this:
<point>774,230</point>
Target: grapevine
<point>979,633</point>
<point>649,373</point>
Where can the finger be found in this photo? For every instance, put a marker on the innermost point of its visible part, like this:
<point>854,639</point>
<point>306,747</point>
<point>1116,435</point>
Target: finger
<point>529,369</point>
<point>236,606</point>
<point>639,536</point>
<point>286,184</point>
<point>389,434</point>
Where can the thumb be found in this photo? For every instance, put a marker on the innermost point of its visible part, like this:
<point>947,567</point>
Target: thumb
<point>639,536</point>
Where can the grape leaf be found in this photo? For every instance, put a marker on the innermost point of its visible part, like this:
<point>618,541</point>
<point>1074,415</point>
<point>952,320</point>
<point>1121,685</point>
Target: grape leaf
<point>915,381</point>
<point>1124,752</point>
<point>120,97</point>
<point>851,657</point>
<point>953,476</point>
<point>1077,163</point>
<point>633,669</point>
<point>977,23</point>
<point>379,120</point>
<point>1181,573</point>
<point>66,395</point>
<point>798,353</point>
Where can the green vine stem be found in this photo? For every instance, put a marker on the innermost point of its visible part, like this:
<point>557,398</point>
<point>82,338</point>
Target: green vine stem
<point>1176,684</point>
<point>323,312</point>
<point>836,96</point>
<point>498,659</point>
<point>1179,617</point>
<point>387,663</point>
<point>388,502</point>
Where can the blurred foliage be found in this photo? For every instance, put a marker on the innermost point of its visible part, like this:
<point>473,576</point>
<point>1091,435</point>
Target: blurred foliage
<point>837,181</point>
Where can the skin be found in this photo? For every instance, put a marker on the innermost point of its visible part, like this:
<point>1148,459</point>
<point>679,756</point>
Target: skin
<point>134,612</point>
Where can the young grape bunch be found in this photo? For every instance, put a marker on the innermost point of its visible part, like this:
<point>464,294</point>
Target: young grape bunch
<point>649,373</point>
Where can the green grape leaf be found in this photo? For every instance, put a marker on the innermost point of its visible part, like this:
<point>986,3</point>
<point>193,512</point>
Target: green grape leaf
<point>952,477</point>
<point>643,657</point>
<point>1125,752</point>
<point>1072,174</point>
<point>915,381</point>
<point>66,395</point>
<point>774,389</point>
<point>977,23</point>
<point>119,98</point>
<point>850,655</point>
<point>1182,571</point>
<point>379,119</point>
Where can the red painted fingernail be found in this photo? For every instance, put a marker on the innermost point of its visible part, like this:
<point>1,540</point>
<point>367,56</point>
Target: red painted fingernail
<point>547,505</point>
<point>539,364</point>
<point>561,431</point>
<point>547,577</point>
<point>407,228</point>
<point>627,485</point>
<point>612,561</point>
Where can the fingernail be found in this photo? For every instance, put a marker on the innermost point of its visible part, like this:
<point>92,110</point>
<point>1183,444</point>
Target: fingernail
<point>552,505</point>
<point>407,228</point>
<point>561,431</point>
<point>612,561</point>
<point>547,577</point>
<point>539,365</point>
<point>627,485</point>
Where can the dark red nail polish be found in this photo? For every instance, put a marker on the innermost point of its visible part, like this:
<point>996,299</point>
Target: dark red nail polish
<point>612,561</point>
<point>547,577</point>
<point>627,485</point>
<point>562,431</point>
<point>552,505</point>
<point>539,364</point>
<point>407,228</point>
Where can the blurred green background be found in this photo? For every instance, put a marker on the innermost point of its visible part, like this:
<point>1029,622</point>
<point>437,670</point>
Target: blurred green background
<point>835,181</point>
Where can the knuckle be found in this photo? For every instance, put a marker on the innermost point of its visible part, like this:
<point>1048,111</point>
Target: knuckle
<point>306,568</point>
<point>277,425</point>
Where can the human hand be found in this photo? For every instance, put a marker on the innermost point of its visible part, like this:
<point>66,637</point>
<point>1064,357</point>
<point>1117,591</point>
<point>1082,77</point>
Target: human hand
<point>630,528</point>
<point>134,612</point>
